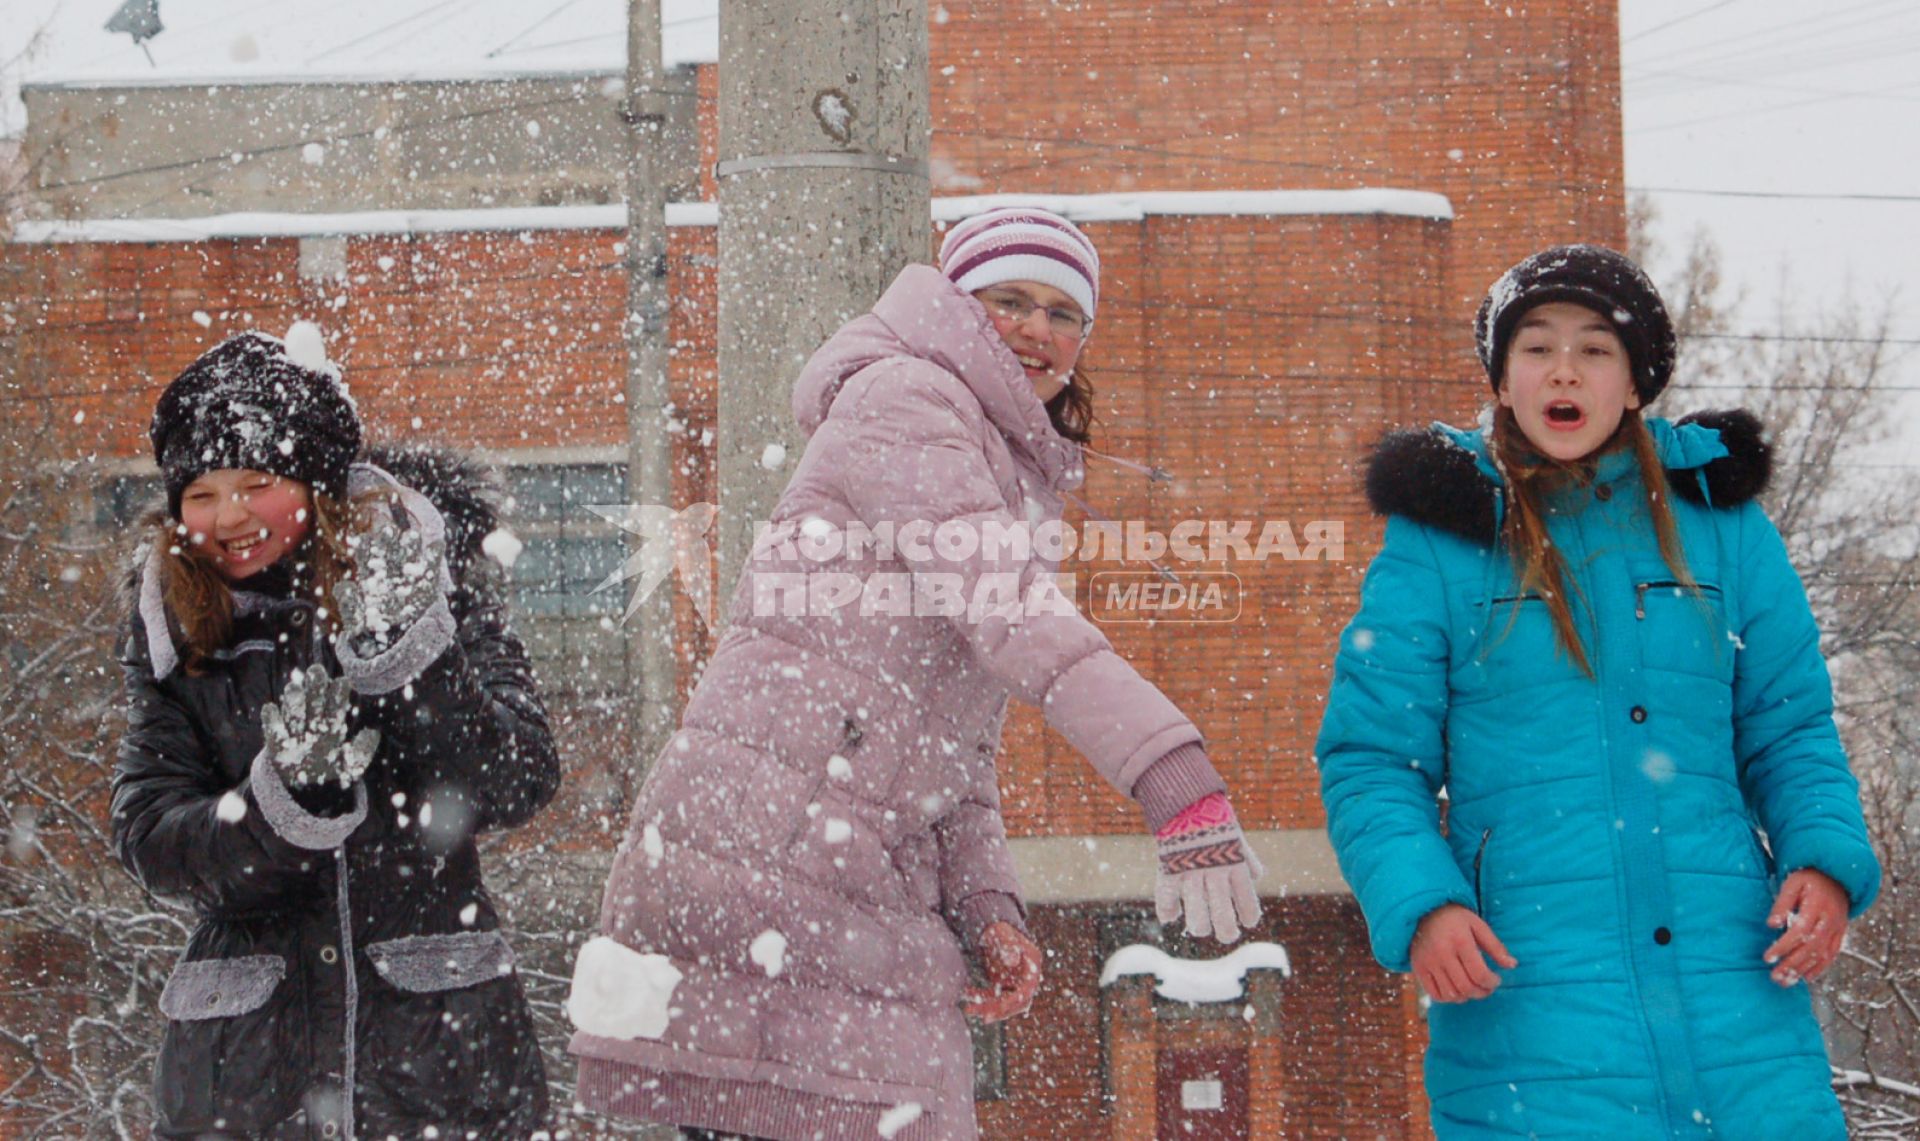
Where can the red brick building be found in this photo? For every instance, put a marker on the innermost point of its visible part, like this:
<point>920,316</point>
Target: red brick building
<point>1253,345</point>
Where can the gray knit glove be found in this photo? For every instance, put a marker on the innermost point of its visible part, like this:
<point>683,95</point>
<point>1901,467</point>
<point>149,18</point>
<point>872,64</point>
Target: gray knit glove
<point>396,580</point>
<point>306,732</point>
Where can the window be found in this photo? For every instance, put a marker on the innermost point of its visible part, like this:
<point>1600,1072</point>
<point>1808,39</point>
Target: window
<point>573,634</point>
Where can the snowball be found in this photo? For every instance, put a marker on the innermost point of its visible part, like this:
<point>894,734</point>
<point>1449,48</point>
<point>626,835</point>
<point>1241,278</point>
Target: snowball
<point>468,914</point>
<point>619,992</point>
<point>769,951</point>
<point>838,831</point>
<point>385,263</point>
<point>1363,640</point>
<point>232,808</point>
<point>773,457</point>
<point>202,319</point>
<point>533,128</point>
<point>652,845</point>
<point>899,1117</point>
<point>839,768</point>
<point>313,154</point>
<point>80,417</point>
<point>307,348</point>
<point>502,546</point>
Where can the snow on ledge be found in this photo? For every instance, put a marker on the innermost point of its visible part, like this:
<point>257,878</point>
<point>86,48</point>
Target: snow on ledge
<point>1254,203</point>
<point>613,216</point>
<point>1196,980</point>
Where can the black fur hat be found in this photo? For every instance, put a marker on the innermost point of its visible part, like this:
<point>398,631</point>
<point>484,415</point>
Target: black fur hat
<point>249,403</point>
<point>1597,278</point>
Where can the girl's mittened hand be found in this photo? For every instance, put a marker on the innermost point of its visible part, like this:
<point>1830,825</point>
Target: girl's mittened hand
<point>1012,964</point>
<point>1812,908</point>
<point>396,580</point>
<point>1207,871</point>
<point>1450,949</point>
<point>306,732</point>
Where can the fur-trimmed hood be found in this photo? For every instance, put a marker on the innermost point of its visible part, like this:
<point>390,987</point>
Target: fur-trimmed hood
<point>452,495</point>
<point>1446,478</point>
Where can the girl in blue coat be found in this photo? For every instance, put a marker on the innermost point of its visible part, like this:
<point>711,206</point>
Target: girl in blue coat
<point>1584,636</point>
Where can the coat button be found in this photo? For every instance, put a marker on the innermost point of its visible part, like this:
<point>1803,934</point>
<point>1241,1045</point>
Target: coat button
<point>1662,936</point>
<point>1639,714</point>
<point>298,618</point>
<point>329,955</point>
<point>1604,492</point>
<point>213,999</point>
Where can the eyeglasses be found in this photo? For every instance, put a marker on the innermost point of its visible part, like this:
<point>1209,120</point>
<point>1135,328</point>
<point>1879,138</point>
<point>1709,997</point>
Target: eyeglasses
<point>1013,305</point>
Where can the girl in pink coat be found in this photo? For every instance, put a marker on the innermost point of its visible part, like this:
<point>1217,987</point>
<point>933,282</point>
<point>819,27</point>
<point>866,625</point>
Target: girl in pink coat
<point>785,931</point>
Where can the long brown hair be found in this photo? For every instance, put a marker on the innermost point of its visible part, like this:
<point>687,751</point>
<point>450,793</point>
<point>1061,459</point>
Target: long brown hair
<point>200,599</point>
<point>1531,477</point>
<point>1071,409</point>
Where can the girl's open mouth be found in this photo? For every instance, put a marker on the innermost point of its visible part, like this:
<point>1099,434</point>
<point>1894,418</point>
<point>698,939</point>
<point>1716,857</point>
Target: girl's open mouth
<point>241,548</point>
<point>1031,364</point>
<point>1565,415</point>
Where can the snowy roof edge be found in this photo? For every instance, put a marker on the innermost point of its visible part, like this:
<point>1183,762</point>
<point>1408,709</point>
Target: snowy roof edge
<point>81,81</point>
<point>1079,207</point>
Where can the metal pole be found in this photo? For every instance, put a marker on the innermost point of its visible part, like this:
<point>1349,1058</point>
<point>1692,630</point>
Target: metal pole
<point>824,197</point>
<point>650,630</point>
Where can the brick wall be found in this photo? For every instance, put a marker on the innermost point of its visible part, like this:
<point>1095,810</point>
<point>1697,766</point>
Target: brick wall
<point>1331,1062</point>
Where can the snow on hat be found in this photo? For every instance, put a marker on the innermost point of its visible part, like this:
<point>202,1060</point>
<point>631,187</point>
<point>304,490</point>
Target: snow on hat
<point>1023,243</point>
<point>1600,279</point>
<point>255,401</point>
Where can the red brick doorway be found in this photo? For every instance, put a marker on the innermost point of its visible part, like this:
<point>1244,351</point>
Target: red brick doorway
<point>1201,1094</point>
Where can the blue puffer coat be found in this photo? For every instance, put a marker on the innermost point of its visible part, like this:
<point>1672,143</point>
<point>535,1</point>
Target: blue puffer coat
<point>1624,834</point>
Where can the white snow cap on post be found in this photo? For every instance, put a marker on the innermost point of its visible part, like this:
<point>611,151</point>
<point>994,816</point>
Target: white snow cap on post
<point>1196,980</point>
<point>619,992</point>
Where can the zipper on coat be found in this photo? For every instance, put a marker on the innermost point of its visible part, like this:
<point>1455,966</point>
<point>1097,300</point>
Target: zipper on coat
<point>1479,858</point>
<point>1501,601</point>
<point>1640,593</point>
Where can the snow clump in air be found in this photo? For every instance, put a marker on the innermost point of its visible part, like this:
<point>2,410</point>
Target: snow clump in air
<point>619,992</point>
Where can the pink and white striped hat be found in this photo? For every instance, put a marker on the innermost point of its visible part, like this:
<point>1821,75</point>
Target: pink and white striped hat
<point>1022,243</point>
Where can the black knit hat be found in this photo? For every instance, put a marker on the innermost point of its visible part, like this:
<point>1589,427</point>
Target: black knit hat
<point>1597,278</point>
<point>248,403</point>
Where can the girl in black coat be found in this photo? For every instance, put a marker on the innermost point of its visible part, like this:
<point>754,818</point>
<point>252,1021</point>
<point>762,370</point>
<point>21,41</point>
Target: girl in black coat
<point>325,704</point>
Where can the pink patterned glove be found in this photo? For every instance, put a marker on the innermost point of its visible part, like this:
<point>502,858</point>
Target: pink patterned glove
<point>1207,871</point>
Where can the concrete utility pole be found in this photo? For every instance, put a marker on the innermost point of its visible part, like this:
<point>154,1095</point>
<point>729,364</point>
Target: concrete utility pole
<point>823,198</point>
<point>650,630</point>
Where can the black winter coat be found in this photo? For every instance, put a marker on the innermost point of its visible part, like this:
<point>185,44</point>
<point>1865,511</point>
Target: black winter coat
<point>363,909</point>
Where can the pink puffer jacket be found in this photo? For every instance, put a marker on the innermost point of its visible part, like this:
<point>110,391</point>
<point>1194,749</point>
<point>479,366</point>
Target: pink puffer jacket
<point>833,779</point>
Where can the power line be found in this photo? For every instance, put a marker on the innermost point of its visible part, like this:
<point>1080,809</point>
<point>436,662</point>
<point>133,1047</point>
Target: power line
<point>1782,194</point>
<point>1641,35</point>
<point>1800,338</point>
<point>1768,35</point>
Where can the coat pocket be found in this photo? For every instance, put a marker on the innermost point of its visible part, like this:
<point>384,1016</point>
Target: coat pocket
<point>221,988</point>
<point>424,964</point>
